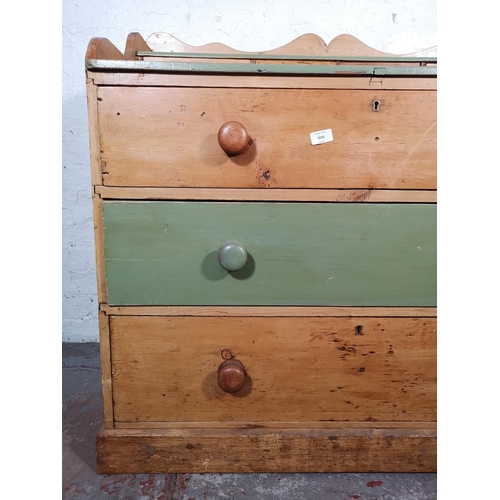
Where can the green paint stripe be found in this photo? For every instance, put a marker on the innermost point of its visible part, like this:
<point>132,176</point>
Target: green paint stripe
<point>317,254</point>
<point>265,69</point>
<point>287,57</point>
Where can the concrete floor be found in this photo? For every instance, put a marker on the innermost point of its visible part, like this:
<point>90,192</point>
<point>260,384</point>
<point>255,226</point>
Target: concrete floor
<point>82,419</point>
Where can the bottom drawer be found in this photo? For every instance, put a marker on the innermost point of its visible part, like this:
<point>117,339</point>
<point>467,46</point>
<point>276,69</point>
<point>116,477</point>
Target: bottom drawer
<point>303,369</point>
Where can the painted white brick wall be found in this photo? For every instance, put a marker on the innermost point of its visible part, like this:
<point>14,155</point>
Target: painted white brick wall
<point>398,27</point>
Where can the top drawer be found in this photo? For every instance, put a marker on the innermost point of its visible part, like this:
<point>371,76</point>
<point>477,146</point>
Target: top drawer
<point>167,137</point>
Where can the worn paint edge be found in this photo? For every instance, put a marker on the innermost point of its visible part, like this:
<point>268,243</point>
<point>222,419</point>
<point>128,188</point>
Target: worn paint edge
<point>283,57</point>
<point>261,69</point>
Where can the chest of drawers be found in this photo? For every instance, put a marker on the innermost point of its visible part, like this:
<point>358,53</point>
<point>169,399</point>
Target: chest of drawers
<point>265,229</point>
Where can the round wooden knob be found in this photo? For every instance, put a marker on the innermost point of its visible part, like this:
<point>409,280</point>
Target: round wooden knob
<point>231,376</point>
<point>232,255</point>
<point>233,138</point>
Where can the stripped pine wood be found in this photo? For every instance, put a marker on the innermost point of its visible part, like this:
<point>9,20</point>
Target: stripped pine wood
<point>106,369</point>
<point>99,249</point>
<point>289,82</point>
<point>258,450</point>
<point>268,311</point>
<point>134,43</point>
<point>95,153</point>
<point>307,369</point>
<point>103,49</point>
<point>330,195</point>
<point>180,426</point>
<point>151,127</point>
<point>308,44</point>
<point>299,51</point>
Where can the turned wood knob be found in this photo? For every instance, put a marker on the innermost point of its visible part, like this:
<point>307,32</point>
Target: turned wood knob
<point>232,255</point>
<point>231,375</point>
<point>233,138</point>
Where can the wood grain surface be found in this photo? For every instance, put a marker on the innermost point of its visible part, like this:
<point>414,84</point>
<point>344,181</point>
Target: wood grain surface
<point>120,78</point>
<point>260,450</point>
<point>106,368</point>
<point>285,311</point>
<point>218,194</point>
<point>167,137</point>
<point>298,369</point>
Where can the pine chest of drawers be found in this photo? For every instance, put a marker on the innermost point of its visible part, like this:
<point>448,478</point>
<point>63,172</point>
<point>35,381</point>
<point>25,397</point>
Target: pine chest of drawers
<point>265,228</point>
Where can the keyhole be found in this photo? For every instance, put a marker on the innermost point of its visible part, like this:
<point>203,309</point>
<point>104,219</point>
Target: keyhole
<point>358,330</point>
<point>376,105</point>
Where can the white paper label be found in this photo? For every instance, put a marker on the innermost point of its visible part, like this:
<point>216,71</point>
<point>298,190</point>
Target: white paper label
<point>321,136</point>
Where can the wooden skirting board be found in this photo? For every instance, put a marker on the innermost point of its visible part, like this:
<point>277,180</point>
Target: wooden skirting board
<point>139,451</point>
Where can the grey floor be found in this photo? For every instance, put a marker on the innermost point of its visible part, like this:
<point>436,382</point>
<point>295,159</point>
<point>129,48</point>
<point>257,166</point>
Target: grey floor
<point>82,410</point>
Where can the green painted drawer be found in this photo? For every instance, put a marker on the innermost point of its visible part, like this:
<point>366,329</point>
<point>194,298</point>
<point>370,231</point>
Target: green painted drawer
<point>345,254</point>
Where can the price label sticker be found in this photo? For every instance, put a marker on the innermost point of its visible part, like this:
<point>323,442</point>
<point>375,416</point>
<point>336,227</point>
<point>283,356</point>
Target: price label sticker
<point>321,136</point>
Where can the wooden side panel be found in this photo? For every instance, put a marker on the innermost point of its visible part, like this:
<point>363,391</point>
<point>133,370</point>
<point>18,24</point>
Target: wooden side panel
<point>257,450</point>
<point>298,369</point>
<point>99,248</point>
<point>95,155</point>
<point>105,353</point>
<point>343,254</point>
<point>167,137</point>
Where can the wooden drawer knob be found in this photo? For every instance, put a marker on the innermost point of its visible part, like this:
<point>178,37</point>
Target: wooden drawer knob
<point>233,138</point>
<point>232,255</point>
<point>231,375</point>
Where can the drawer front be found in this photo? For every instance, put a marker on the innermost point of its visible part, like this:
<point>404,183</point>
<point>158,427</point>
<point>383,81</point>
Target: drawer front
<point>297,369</point>
<point>168,137</point>
<point>336,254</point>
